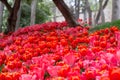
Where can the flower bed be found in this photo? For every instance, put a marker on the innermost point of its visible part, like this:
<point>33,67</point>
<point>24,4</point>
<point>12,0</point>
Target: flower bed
<point>52,51</point>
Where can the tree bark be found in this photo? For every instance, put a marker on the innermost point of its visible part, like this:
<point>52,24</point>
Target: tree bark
<point>1,15</point>
<point>7,5</point>
<point>102,12</point>
<point>89,12</point>
<point>18,18</point>
<point>33,12</point>
<point>12,15</point>
<point>115,9</point>
<point>77,9</point>
<point>99,11</point>
<point>102,16</point>
<point>85,11</point>
<point>54,13</point>
<point>72,22</point>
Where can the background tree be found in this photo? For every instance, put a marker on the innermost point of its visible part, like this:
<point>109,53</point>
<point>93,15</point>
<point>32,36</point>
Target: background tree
<point>1,15</point>
<point>77,9</point>
<point>12,14</point>
<point>72,22</point>
<point>45,10</point>
<point>33,12</point>
<point>100,11</point>
<point>54,10</point>
<point>42,12</point>
<point>88,8</point>
<point>23,16</point>
<point>18,18</point>
<point>115,9</point>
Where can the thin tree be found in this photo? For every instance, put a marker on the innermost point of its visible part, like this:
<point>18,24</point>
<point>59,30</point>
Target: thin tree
<point>102,12</point>
<point>54,13</point>
<point>115,9</point>
<point>77,9</point>
<point>33,12</point>
<point>1,15</point>
<point>18,17</point>
<point>99,11</point>
<point>12,14</point>
<point>89,11</point>
<point>72,22</point>
<point>84,11</point>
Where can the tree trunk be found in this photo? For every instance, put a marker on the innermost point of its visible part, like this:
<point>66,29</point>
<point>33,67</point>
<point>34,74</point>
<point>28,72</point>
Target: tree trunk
<point>54,13</point>
<point>102,16</point>
<point>77,9</point>
<point>85,11</point>
<point>89,12</point>
<point>33,12</point>
<point>13,16</point>
<point>102,12</point>
<point>7,5</point>
<point>66,13</point>
<point>18,18</point>
<point>99,11</point>
<point>1,15</point>
<point>85,15</point>
<point>115,9</point>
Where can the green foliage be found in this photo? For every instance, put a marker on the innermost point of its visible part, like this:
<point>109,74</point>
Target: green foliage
<point>5,17</point>
<point>1,67</point>
<point>94,5</point>
<point>25,15</point>
<point>106,25</point>
<point>42,13</point>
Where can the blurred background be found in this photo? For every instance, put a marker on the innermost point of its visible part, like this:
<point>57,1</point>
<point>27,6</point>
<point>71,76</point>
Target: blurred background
<point>39,11</point>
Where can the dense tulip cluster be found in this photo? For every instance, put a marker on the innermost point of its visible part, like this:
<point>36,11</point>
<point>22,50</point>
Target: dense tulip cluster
<point>52,51</point>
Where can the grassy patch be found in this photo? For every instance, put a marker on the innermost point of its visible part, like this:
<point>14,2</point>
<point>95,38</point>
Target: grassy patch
<point>106,25</point>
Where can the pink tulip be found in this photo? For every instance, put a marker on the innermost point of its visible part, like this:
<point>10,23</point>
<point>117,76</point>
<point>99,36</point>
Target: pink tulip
<point>69,59</point>
<point>53,70</point>
<point>117,36</point>
<point>25,77</point>
<point>39,72</point>
<point>118,55</point>
<point>28,77</point>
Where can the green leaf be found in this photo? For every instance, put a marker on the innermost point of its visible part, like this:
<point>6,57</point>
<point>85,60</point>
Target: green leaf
<point>1,67</point>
